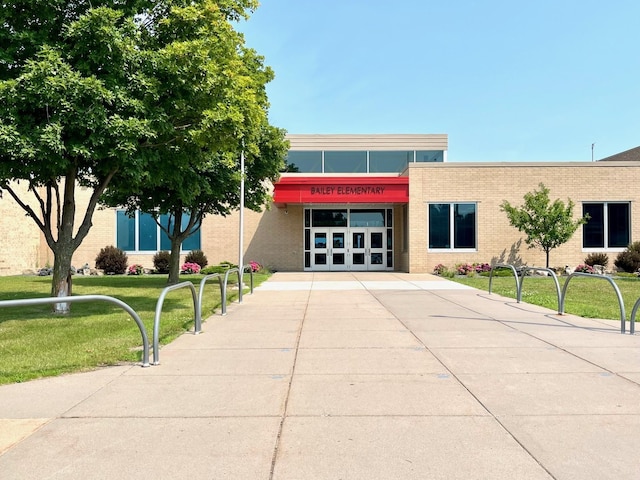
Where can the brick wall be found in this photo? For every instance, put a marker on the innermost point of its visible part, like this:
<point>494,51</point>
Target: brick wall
<point>274,237</point>
<point>490,184</point>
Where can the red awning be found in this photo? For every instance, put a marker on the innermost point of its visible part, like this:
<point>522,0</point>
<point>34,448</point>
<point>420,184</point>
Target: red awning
<point>327,189</point>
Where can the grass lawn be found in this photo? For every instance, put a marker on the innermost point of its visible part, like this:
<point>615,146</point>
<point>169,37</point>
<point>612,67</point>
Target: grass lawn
<point>35,343</point>
<point>586,297</point>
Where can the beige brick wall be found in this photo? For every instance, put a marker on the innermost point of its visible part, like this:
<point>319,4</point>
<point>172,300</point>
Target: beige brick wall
<point>19,235</point>
<point>490,184</point>
<point>274,237</point>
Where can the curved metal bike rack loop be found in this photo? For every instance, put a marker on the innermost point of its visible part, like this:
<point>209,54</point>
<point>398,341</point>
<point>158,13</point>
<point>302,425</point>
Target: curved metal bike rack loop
<point>226,280</point>
<point>515,275</point>
<point>632,325</point>
<point>542,269</point>
<point>592,275</point>
<point>89,298</point>
<point>156,320</point>
<point>202,284</point>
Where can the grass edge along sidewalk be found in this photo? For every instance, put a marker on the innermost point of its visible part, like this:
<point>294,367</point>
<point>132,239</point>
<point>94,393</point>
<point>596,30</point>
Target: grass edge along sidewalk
<point>586,297</point>
<point>34,343</point>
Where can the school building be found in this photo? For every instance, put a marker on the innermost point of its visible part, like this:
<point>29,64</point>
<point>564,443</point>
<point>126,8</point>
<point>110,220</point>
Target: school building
<point>375,203</point>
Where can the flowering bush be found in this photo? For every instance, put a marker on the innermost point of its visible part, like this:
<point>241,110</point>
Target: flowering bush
<point>585,269</point>
<point>135,269</point>
<point>464,268</point>
<point>439,269</point>
<point>255,266</point>
<point>190,267</point>
<point>482,267</point>
<point>471,268</point>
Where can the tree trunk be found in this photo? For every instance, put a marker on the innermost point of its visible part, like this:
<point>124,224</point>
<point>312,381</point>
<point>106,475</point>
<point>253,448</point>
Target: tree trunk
<point>61,285</point>
<point>547,253</point>
<point>174,262</point>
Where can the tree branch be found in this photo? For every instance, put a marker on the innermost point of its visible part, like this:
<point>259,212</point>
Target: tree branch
<point>83,230</point>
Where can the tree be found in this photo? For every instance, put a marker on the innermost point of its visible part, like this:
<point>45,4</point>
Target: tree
<point>84,88</point>
<point>210,100</point>
<point>546,225</point>
<point>69,114</point>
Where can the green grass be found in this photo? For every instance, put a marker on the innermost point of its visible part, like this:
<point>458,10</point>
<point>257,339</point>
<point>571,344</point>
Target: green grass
<point>590,298</point>
<point>35,343</point>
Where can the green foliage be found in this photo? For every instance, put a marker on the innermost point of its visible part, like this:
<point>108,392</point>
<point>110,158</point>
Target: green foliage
<point>222,267</point>
<point>138,96</point>
<point>161,261</point>
<point>207,93</point>
<point>197,256</point>
<point>597,258</point>
<point>112,260</point>
<point>546,225</point>
<point>629,260</point>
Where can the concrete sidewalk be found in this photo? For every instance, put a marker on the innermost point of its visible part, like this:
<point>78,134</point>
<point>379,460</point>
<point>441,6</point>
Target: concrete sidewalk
<point>347,376</point>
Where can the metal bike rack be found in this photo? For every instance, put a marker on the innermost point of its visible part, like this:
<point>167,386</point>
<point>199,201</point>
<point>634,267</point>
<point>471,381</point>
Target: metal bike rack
<point>542,269</point>
<point>515,275</point>
<point>202,284</point>
<point>156,321</point>
<point>88,298</point>
<point>604,277</point>
<point>240,278</point>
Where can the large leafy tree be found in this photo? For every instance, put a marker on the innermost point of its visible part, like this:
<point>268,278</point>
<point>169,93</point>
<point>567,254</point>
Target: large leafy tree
<point>546,224</point>
<point>84,89</point>
<point>210,107</point>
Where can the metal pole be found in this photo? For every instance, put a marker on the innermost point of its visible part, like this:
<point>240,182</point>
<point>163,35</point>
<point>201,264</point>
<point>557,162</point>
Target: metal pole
<point>241,233</point>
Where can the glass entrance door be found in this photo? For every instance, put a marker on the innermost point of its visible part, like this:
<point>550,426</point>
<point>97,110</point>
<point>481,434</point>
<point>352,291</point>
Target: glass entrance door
<point>348,239</point>
<point>368,249</point>
<point>329,249</point>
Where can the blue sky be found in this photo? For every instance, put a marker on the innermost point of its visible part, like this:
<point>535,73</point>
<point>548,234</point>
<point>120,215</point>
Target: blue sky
<point>506,80</point>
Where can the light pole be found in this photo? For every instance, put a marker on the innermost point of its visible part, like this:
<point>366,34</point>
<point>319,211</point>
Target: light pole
<point>241,233</point>
<point>592,145</point>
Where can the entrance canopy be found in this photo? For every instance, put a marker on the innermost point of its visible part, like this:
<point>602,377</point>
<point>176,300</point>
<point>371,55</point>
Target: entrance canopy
<point>326,189</point>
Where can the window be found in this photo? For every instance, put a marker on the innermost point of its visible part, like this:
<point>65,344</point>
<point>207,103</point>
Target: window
<point>382,161</point>
<point>304,161</point>
<point>452,226</point>
<point>345,162</point>
<point>608,225</point>
<point>141,233</point>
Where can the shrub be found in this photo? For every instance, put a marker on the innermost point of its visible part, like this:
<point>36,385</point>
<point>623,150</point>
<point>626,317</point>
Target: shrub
<point>585,269</point>
<point>597,259</point>
<point>222,267</point>
<point>135,269</point>
<point>629,260</point>
<point>440,269</point>
<point>161,261</point>
<point>190,268</point>
<point>112,260</point>
<point>197,256</point>
<point>255,266</point>
<point>211,269</point>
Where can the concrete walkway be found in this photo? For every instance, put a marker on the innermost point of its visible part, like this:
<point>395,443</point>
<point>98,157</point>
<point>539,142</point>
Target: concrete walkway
<point>347,376</point>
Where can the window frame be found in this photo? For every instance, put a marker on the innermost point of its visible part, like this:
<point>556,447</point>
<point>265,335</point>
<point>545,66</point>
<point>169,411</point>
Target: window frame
<point>605,230</point>
<point>161,237</point>
<point>452,228</point>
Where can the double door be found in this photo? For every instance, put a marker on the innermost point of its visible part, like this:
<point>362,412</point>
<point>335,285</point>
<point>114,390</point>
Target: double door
<point>348,249</point>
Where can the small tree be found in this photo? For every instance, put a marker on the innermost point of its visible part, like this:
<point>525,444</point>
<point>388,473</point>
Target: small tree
<point>546,225</point>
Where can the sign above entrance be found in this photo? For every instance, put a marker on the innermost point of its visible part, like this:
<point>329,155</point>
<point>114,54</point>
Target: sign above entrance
<point>325,189</point>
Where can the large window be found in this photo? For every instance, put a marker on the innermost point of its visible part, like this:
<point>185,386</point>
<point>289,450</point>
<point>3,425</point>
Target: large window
<point>357,161</point>
<point>608,225</point>
<point>345,162</point>
<point>140,233</point>
<point>452,226</point>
